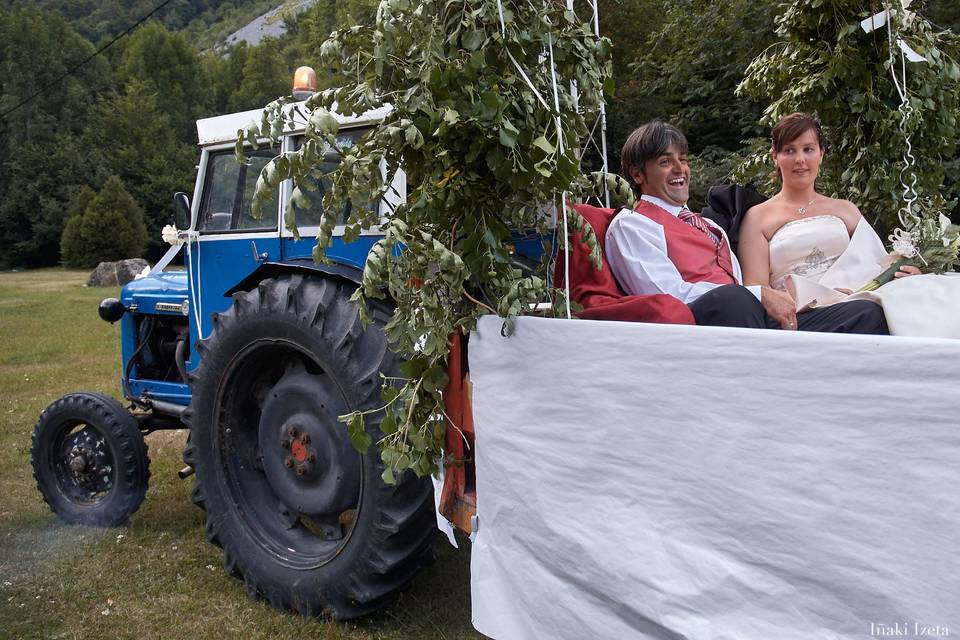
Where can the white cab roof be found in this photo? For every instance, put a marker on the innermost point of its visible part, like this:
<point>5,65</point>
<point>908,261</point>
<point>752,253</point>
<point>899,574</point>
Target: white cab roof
<point>221,129</point>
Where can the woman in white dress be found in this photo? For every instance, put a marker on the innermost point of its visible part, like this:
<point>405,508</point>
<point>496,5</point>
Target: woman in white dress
<point>821,249</point>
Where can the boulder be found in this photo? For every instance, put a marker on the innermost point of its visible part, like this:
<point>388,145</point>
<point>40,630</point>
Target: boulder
<point>116,274</point>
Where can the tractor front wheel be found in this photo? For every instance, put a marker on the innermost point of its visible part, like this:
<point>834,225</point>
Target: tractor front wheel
<point>90,460</point>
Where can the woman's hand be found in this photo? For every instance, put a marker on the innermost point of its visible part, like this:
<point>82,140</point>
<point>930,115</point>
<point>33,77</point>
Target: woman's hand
<point>907,270</point>
<point>780,306</point>
<point>843,290</point>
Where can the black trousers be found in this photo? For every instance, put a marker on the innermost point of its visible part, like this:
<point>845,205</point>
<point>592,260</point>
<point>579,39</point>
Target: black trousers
<point>734,306</point>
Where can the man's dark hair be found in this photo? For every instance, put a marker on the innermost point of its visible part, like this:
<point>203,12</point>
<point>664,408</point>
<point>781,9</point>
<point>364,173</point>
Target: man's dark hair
<point>648,141</point>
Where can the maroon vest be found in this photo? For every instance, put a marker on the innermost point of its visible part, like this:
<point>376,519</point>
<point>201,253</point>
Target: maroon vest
<point>695,255</point>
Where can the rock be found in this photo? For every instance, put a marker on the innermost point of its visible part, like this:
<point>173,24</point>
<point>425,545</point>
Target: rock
<point>116,274</point>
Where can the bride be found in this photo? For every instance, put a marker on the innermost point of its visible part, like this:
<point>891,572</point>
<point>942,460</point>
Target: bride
<point>821,249</point>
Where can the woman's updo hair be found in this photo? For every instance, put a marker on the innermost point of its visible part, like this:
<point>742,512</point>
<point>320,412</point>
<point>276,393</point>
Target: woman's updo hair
<point>793,126</point>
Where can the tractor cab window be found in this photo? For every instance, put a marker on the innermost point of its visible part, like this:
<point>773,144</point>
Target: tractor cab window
<point>315,187</point>
<point>228,193</point>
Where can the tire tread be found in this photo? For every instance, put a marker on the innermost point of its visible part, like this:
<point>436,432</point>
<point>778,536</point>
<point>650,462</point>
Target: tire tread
<point>130,453</point>
<point>401,532</point>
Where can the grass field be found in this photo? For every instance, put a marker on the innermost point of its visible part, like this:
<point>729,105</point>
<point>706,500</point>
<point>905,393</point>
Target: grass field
<point>157,577</point>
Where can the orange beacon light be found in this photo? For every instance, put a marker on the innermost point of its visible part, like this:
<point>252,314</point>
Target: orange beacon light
<point>304,83</point>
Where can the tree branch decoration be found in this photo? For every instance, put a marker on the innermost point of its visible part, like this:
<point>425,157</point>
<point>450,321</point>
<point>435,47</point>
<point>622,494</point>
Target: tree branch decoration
<point>484,153</point>
<point>825,63</point>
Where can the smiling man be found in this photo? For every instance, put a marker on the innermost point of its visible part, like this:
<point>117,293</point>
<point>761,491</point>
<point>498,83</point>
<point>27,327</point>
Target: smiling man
<point>662,247</point>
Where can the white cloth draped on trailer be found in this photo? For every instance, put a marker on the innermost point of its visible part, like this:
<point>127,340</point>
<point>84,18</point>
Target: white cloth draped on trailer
<point>659,481</point>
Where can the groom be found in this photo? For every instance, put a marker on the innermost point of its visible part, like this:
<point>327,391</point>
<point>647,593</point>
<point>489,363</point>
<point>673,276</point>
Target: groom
<point>663,247</point>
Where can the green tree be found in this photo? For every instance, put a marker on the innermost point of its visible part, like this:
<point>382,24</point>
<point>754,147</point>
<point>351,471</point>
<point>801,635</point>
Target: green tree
<point>825,63</point>
<point>316,24</point>
<point>105,227</point>
<point>943,14</point>
<point>170,68</point>
<point>142,150</point>
<point>681,63</point>
<point>247,77</point>
<point>41,159</point>
<point>630,25</point>
<point>70,234</point>
<point>693,79</point>
<point>265,76</point>
<point>224,74</point>
<point>205,22</point>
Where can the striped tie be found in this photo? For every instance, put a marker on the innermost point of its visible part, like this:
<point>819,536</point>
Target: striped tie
<point>694,220</point>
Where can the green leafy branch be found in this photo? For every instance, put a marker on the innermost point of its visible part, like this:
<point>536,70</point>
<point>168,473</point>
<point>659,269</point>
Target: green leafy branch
<point>825,63</point>
<point>479,147</point>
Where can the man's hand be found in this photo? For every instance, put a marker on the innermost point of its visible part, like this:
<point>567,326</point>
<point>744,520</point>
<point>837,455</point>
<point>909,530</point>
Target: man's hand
<point>780,306</point>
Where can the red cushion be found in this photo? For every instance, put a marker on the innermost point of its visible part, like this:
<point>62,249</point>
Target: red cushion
<point>597,290</point>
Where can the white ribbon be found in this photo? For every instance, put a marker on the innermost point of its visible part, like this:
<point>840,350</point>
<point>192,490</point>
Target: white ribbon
<point>190,238</point>
<point>908,177</point>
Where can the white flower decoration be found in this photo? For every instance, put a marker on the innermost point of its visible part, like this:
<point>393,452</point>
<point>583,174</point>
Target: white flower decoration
<point>902,243</point>
<point>944,223</point>
<point>171,235</point>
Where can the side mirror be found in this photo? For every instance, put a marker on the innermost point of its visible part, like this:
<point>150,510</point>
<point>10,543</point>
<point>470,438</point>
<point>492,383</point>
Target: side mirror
<point>181,210</point>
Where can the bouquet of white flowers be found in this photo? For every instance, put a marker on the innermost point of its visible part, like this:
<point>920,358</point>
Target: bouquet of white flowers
<point>932,245</point>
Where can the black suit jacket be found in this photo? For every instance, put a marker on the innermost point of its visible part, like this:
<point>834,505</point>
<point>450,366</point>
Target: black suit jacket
<point>727,204</point>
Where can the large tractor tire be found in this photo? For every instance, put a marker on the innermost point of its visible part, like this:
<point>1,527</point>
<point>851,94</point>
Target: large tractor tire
<point>303,518</point>
<point>90,460</point>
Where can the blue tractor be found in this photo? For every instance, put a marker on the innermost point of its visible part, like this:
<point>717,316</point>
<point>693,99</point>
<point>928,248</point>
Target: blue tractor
<point>256,349</point>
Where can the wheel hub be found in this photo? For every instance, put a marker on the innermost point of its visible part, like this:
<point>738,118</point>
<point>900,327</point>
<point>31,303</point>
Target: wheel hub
<point>78,463</point>
<point>88,464</point>
<point>307,456</point>
<point>299,451</point>
<point>303,457</point>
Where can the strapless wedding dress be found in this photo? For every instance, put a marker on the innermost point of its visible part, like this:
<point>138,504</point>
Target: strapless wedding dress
<point>811,257</point>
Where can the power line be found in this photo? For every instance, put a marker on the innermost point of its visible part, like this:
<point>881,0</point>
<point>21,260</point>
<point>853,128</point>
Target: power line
<point>85,61</point>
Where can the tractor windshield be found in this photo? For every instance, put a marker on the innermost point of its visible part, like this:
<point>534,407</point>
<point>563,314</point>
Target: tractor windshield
<point>309,215</point>
<point>228,192</point>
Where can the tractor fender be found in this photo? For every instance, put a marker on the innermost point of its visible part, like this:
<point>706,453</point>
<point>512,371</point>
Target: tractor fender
<point>305,266</point>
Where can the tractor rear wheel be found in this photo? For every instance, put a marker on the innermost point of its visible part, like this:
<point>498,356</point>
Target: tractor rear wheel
<point>90,460</point>
<point>303,518</point>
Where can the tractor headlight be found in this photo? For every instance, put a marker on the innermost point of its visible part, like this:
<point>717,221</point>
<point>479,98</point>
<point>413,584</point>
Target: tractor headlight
<point>111,309</point>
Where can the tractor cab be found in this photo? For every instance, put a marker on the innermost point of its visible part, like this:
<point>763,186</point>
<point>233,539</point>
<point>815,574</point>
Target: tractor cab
<point>226,248</point>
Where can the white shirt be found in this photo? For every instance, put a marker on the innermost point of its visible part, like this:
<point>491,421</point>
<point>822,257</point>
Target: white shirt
<point>636,251</point>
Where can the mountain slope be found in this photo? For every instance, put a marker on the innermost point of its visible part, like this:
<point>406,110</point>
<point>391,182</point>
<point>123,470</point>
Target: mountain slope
<point>206,22</point>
